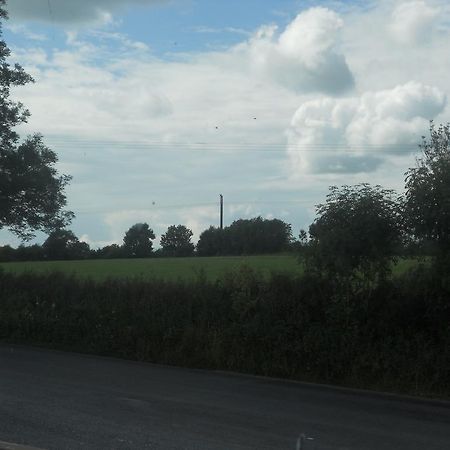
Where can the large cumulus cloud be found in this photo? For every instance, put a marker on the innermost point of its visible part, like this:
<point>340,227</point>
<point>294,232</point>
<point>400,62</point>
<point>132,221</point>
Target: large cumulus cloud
<point>354,134</point>
<point>303,57</point>
<point>70,11</point>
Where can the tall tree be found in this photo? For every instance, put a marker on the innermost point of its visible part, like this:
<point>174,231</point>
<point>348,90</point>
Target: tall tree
<point>177,241</point>
<point>137,242</point>
<point>31,190</point>
<point>427,199</point>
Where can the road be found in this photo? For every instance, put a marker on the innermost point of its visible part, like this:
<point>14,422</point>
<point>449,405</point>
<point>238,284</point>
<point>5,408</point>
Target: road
<point>56,400</point>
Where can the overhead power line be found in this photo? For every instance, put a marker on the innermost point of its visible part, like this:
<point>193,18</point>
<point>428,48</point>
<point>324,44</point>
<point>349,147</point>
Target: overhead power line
<point>230,146</point>
<point>156,206</point>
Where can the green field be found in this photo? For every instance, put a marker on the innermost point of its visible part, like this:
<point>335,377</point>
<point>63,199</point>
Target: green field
<point>162,268</point>
<point>171,268</point>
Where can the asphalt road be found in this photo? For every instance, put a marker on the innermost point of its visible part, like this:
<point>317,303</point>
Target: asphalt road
<point>56,400</point>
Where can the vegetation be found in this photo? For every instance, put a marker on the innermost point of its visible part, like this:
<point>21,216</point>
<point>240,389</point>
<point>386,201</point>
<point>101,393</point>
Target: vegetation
<point>63,244</point>
<point>138,241</point>
<point>357,234</point>
<point>427,201</point>
<point>243,237</point>
<point>31,190</point>
<point>246,237</point>
<point>211,242</point>
<point>177,241</point>
<point>394,337</point>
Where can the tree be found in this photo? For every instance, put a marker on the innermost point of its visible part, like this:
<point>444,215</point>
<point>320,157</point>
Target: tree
<point>212,242</point>
<point>29,253</point>
<point>63,244</point>
<point>7,254</point>
<point>177,241</point>
<point>137,242</point>
<point>427,199</point>
<point>258,236</point>
<point>31,190</point>
<point>358,232</point>
<point>246,237</point>
<point>112,251</point>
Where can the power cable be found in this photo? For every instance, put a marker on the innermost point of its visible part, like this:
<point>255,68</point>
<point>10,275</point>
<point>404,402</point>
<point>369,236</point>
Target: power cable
<point>152,207</point>
<point>87,144</point>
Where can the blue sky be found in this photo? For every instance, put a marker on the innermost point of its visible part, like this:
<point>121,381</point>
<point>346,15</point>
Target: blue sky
<point>168,26</point>
<point>157,107</point>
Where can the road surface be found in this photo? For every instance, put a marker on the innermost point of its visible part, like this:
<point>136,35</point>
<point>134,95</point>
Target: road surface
<point>56,400</point>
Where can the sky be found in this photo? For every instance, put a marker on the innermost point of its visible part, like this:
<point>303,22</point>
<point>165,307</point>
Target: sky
<point>155,107</point>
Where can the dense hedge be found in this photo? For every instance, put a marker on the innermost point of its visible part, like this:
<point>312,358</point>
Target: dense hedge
<point>392,337</point>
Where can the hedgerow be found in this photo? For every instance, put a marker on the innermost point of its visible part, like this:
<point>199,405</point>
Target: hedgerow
<point>395,336</point>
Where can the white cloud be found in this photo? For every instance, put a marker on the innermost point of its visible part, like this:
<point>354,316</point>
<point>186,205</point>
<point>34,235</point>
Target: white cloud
<point>211,30</point>
<point>70,11</point>
<point>395,116</point>
<point>142,98</point>
<point>25,31</point>
<point>311,36</point>
<point>120,38</point>
<point>355,134</point>
<point>33,57</point>
<point>198,219</point>
<point>412,22</point>
<point>304,57</point>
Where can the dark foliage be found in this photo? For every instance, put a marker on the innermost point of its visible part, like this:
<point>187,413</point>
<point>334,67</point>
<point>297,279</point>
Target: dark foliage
<point>394,337</point>
<point>177,241</point>
<point>358,233</point>
<point>137,242</point>
<point>63,244</point>
<point>246,237</point>
<point>427,200</point>
<point>60,245</point>
<point>112,251</point>
<point>212,242</point>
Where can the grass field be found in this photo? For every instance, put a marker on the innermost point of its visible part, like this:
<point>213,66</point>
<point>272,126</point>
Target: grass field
<point>171,268</point>
<point>162,268</point>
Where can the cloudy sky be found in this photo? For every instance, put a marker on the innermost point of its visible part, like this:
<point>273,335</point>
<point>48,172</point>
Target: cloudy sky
<point>155,107</point>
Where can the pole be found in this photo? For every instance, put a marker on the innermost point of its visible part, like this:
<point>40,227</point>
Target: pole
<point>221,211</point>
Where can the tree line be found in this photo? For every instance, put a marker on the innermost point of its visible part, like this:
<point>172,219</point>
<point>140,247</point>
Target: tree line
<point>242,237</point>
